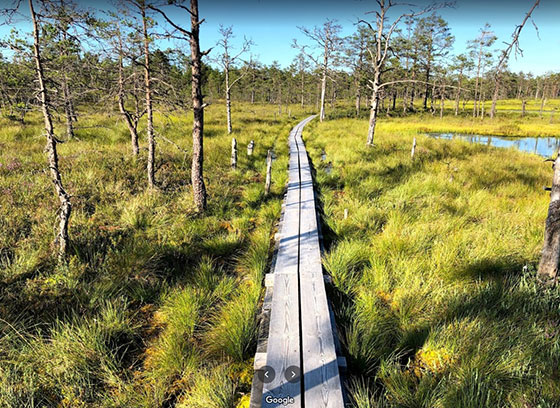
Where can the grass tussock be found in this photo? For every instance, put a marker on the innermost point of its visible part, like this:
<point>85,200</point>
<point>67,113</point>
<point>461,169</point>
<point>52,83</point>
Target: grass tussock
<point>157,305</point>
<point>434,269</point>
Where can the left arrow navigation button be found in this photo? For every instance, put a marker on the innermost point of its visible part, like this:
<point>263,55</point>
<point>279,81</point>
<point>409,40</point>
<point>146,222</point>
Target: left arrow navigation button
<point>266,374</point>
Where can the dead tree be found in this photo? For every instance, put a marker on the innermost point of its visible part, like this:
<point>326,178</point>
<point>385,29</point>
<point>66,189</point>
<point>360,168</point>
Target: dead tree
<point>61,236</point>
<point>131,118</point>
<point>148,89</point>
<point>227,61</point>
<point>327,39</point>
<point>192,36</point>
<point>68,102</point>
<point>514,44</point>
<point>379,52</point>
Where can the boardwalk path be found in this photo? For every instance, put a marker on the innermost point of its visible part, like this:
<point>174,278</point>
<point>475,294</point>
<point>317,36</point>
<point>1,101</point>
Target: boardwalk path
<point>300,331</point>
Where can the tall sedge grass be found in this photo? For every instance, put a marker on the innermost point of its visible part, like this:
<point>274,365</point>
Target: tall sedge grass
<point>434,268</point>
<point>157,305</point>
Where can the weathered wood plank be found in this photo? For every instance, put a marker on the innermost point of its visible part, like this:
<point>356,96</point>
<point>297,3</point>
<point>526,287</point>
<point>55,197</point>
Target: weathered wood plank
<point>320,367</point>
<point>283,348</point>
<point>298,280</point>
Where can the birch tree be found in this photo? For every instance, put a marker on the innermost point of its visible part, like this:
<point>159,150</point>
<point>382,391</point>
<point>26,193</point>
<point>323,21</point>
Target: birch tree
<point>227,60</point>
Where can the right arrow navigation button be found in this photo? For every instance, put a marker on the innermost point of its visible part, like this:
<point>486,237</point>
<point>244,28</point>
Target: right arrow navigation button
<point>292,374</point>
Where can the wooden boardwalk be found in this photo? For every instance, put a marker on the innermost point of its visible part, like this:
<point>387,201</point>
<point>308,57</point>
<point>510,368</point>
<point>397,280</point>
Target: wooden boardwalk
<point>300,330</point>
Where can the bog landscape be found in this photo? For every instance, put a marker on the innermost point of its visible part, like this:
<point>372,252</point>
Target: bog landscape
<point>279,204</point>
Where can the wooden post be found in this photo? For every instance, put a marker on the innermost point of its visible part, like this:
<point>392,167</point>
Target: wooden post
<point>413,149</point>
<point>250,148</point>
<point>268,172</point>
<point>345,213</point>
<point>233,153</point>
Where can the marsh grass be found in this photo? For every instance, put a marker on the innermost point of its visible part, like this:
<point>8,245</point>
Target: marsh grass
<point>508,120</point>
<point>157,305</point>
<point>435,291</point>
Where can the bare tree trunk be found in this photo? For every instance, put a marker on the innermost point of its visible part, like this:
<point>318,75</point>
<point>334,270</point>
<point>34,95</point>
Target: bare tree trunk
<point>323,86</point>
<point>358,96</point>
<point>432,109</point>
<point>550,258</point>
<point>129,123</point>
<point>458,96</point>
<point>475,110</point>
<point>199,189</point>
<point>228,101</point>
<point>61,238</point>
<point>268,180</point>
<point>233,153</point>
<point>149,112</point>
<point>413,91</point>
<point>427,90</point>
<point>302,88</point>
<point>495,98</point>
<point>67,109</point>
<point>373,109</point>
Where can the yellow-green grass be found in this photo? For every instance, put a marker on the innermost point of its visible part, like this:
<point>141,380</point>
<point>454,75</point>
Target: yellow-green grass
<point>157,305</point>
<point>500,126</point>
<point>435,291</point>
<point>506,122</point>
<point>532,105</point>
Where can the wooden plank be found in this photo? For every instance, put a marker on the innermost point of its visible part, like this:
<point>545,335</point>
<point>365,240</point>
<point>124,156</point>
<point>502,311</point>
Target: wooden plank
<point>284,333</point>
<point>320,366</point>
<point>298,266</point>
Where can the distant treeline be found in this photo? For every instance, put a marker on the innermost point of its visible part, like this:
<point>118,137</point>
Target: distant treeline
<point>83,54</point>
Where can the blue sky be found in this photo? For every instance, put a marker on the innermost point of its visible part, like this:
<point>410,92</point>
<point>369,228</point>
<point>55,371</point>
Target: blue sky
<point>272,25</point>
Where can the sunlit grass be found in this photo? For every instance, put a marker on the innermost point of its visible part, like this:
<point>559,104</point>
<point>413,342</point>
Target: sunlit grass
<point>434,268</point>
<point>508,120</point>
<point>157,305</point>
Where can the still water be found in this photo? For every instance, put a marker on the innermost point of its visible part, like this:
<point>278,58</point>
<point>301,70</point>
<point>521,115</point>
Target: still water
<point>543,146</point>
